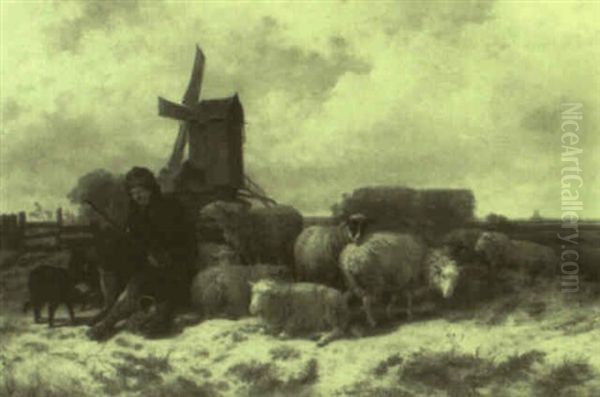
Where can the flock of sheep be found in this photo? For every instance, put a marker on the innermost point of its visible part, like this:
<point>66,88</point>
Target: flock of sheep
<point>301,281</point>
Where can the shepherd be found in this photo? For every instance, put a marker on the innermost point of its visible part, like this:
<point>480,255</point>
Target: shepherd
<point>158,227</point>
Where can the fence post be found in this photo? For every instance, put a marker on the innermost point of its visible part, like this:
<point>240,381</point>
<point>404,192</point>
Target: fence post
<point>10,231</point>
<point>22,225</point>
<point>4,239</point>
<point>59,225</point>
<point>14,231</point>
<point>59,216</point>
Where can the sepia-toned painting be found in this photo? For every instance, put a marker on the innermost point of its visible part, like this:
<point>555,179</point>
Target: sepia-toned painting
<point>299,198</point>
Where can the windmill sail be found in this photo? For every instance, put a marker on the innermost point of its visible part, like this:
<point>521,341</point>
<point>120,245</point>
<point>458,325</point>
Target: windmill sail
<point>191,96</point>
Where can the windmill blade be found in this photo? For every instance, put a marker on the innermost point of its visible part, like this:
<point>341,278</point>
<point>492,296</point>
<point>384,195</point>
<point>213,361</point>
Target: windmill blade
<point>174,110</point>
<point>178,152</point>
<point>192,94</point>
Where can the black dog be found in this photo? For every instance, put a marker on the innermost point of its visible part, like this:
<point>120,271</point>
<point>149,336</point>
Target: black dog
<point>51,285</point>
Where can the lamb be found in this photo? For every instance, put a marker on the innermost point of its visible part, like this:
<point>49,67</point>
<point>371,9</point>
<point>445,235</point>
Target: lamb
<point>51,285</point>
<point>316,254</point>
<point>500,251</point>
<point>224,291</point>
<point>258,235</point>
<point>300,309</point>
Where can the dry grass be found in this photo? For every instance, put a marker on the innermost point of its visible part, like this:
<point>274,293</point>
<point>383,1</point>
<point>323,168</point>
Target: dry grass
<point>265,378</point>
<point>461,375</point>
<point>518,366</point>
<point>284,352</point>
<point>35,385</point>
<point>366,388</point>
<point>182,386</point>
<point>561,378</point>
<point>261,377</point>
<point>383,367</point>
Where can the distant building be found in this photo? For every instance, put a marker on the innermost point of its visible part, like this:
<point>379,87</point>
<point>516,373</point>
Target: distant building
<point>536,217</point>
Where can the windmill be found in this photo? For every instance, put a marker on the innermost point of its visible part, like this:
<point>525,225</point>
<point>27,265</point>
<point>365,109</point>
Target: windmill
<point>213,130</point>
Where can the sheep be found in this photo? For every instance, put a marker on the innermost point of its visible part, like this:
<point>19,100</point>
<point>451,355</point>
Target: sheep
<point>213,254</point>
<point>500,251</point>
<point>224,291</point>
<point>379,264</point>
<point>461,243</point>
<point>441,272</point>
<point>316,254</point>
<point>258,235</point>
<point>300,309</point>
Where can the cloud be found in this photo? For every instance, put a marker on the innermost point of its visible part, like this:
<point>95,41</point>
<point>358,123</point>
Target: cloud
<point>337,95</point>
<point>53,150</point>
<point>261,60</point>
<point>443,19</point>
<point>11,110</point>
<point>67,33</point>
<point>542,119</point>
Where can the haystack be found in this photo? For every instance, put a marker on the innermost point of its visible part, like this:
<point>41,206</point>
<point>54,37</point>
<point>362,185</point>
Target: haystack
<point>403,208</point>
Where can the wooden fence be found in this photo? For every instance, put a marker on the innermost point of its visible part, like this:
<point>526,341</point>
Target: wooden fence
<point>17,233</point>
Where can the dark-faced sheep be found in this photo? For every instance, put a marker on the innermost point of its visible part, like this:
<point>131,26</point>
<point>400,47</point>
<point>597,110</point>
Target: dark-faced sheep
<point>461,244</point>
<point>224,291</point>
<point>300,309</point>
<point>316,254</point>
<point>53,286</point>
<point>524,256</point>
<point>381,265</point>
<point>258,235</point>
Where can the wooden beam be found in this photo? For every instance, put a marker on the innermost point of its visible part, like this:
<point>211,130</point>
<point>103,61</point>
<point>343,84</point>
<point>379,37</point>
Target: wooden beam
<point>195,84</point>
<point>173,110</point>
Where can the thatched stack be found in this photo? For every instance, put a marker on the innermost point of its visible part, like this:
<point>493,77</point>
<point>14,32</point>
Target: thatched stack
<point>403,208</point>
<point>446,207</point>
<point>381,203</point>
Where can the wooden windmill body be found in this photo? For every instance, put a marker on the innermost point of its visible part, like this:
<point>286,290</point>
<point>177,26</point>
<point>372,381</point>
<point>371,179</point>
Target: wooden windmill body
<point>213,131</point>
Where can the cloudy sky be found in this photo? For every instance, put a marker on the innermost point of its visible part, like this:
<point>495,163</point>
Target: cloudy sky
<point>337,95</point>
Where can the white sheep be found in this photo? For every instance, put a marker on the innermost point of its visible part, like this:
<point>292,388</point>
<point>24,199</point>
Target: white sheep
<point>300,309</point>
<point>532,258</point>
<point>441,272</point>
<point>380,264</point>
<point>258,235</point>
<point>224,291</point>
<point>316,254</point>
